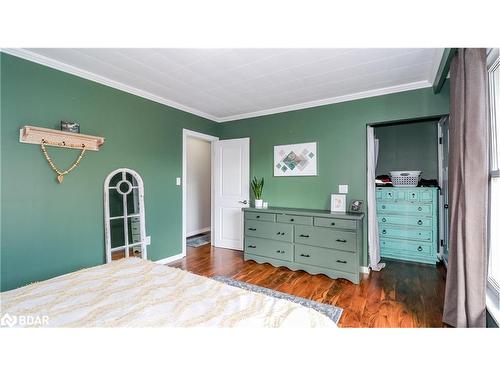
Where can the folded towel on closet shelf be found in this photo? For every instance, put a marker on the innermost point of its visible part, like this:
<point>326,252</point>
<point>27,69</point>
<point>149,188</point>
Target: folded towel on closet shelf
<point>383,180</point>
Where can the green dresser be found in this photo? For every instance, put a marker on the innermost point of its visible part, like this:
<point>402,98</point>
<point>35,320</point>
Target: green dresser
<point>315,241</point>
<point>408,223</point>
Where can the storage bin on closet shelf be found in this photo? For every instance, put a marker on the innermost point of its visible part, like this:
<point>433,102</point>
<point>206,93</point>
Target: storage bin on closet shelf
<point>405,178</point>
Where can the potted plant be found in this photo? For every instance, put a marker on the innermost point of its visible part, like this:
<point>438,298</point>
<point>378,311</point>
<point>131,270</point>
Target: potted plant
<point>257,186</point>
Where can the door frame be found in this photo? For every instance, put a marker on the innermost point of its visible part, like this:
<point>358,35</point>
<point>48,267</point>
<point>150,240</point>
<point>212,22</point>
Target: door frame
<point>403,121</point>
<point>206,137</point>
<point>441,210</point>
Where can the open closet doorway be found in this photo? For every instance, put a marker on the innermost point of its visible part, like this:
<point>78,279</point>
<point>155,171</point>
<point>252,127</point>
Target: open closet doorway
<point>197,191</point>
<point>408,218</point>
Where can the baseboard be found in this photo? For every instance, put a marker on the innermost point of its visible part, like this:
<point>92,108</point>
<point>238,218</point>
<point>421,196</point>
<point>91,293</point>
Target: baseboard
<point>363,269</point>
<point>195,232</point>
<point>169,259</point>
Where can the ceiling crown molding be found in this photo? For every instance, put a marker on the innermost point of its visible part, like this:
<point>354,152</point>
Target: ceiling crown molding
<point>42,60</point>
<point>333,100</point>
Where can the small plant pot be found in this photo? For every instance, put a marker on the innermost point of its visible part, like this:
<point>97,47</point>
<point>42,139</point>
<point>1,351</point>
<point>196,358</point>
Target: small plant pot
<point>258,203</point>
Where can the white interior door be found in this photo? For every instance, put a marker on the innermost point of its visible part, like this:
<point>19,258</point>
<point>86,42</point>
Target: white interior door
<point>231,191</point>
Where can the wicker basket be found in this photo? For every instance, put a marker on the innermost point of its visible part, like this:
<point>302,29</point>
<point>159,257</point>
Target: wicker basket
<point>405,178</point>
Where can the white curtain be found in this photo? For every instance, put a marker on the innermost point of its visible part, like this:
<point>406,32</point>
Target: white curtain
<point>373,240</point>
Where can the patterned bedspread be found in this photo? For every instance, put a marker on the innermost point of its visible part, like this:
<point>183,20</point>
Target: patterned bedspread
<point>138,293</point>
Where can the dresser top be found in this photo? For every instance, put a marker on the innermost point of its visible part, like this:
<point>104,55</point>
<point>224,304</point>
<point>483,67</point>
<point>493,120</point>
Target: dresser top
<point>307,212</point>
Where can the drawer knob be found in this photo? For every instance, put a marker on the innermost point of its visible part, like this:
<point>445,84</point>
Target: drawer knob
<point>292,219</point>
<point>280,251</point>
<point>384,231</point>
<point>305,255</point>
<point>304,235</point>
<point>258,216</point>
<point>252,229</point>
<point>419,222</point>
<point>383,206</point>
<point>420,208</point>
<point>384,219</point>
<point>252,246</point>
<point>333,222</point>
<point>419,248</point>
<point>282,233</point>
<point>341,261</point>
<point>340,240</point>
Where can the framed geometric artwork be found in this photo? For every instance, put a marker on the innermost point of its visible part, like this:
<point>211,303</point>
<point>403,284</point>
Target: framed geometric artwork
<point>295,160</point>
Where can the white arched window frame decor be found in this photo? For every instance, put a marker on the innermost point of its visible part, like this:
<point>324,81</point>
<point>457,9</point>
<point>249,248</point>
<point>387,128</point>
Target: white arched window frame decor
<point>124,221</point>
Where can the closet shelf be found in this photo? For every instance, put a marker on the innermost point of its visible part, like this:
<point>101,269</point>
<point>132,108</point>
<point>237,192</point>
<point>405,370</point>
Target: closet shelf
<point>35,135</point>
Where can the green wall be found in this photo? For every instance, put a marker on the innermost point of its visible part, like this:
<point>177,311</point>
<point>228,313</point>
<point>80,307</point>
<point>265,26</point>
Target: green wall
<point>340,130</point>
<point>49,229</point>
<point>410,147</point>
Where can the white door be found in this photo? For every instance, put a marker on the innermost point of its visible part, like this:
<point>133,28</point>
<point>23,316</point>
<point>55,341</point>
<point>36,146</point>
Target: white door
<point>231,191</point>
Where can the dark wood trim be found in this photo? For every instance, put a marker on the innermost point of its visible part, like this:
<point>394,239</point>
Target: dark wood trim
<point>444,68</point>
<point>408,120</point>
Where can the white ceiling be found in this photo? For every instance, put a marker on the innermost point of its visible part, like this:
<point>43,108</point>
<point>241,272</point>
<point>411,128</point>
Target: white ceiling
<point>228,84</point>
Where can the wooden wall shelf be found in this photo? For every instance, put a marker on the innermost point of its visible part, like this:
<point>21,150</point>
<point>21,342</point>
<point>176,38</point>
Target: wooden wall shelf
<point>58,138</point>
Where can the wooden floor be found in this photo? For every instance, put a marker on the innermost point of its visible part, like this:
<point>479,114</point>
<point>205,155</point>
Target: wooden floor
<point>401,295</point>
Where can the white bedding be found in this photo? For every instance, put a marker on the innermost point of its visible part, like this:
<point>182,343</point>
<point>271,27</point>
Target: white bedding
<point>138,293</point>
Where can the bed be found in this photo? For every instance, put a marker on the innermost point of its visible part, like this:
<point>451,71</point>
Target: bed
<point>133,292</point>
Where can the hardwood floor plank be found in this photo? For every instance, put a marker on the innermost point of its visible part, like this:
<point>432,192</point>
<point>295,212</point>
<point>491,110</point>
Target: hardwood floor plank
<point>403,294</point>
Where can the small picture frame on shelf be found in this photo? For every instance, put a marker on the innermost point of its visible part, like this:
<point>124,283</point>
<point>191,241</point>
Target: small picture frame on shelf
<point>71,127</point>
<point>338,203</point>
<point>356,205</point>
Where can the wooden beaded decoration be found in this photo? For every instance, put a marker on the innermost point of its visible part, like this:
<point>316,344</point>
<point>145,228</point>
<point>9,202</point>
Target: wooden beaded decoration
<point>60,174</point>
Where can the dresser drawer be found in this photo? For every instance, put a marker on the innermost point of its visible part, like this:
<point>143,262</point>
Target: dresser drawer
<point>418,221</point>
<point>317,256</point>
<point>405,208</point>
<point>334,223</point>
<point>295,219</point>
<point>272,231</point>
<point>414,248</point>
<point>264,216</point>
<point>427,195</point>
<point>269,248</point>
<point>412,195</point>
<point>334,239</point>
<point>406,233</point>
<point>385,194</point>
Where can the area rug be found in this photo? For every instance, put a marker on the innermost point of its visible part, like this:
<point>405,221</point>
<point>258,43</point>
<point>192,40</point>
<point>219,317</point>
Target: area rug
<point>333,312</point>
<point>197,241</point>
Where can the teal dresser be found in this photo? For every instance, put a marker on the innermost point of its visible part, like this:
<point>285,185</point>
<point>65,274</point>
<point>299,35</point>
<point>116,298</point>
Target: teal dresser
<point>408,223</point>
<point>315,241</point>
